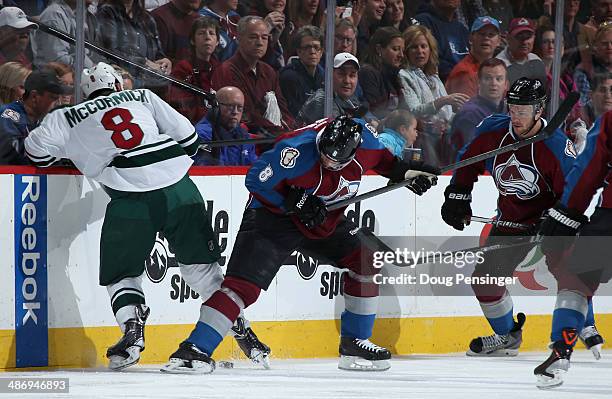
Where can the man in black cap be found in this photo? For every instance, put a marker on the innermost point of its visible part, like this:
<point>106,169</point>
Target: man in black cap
<point>42,91</point>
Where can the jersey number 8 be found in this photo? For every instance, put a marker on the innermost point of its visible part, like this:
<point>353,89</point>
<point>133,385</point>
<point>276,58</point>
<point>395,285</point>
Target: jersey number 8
<point>125,124</point>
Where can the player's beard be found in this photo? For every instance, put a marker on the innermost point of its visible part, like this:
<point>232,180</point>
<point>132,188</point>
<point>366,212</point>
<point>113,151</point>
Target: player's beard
<point>527,132</point>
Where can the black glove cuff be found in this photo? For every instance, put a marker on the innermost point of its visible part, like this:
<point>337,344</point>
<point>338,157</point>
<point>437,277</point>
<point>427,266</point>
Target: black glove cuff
<point>567,217</point>
<point>458,193</point>
<point>398,173</point>
<point>294,195</point>
<point>399,170</point>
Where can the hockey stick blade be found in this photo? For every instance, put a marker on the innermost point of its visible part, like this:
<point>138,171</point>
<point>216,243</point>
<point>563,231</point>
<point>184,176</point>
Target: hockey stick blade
<point>564,110</point>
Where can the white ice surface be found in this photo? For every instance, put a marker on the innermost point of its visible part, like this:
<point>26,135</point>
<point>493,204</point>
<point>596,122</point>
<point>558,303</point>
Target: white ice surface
<point>417,376</point>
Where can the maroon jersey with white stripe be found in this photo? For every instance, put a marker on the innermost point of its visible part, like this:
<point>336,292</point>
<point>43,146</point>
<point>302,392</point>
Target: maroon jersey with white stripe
<point>530,179</point>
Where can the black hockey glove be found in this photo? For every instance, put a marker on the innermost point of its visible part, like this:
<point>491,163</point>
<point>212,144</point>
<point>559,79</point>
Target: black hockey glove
<point>456,210</point>
<point>559,228</point>
<point>423,176</point>
<point>307,207</point>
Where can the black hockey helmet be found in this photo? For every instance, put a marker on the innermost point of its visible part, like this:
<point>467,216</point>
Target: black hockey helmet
<point>340,139</point>
<point>527,91</point>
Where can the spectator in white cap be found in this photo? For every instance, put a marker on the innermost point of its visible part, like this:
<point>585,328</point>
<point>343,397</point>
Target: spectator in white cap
<point>15,31</point>
<point>345,78</point>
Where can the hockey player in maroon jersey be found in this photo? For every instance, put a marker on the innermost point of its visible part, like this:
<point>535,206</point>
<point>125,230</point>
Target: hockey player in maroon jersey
<point>589,259</point>
<point>290,186</point>
<point>529,180</point>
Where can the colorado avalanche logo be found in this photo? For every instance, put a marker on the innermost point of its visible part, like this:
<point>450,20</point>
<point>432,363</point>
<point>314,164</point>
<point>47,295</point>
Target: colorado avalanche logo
<point>346,189</point>
<point>288,157</point>
<point>570,150</point>
<point>515,178</point>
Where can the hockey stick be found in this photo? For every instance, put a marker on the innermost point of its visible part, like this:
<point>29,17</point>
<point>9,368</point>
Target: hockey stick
<point>223,143</point>
<point>500,223</point>
<point>564,109</point>
<point>209,96</point>
<point>531,240</point>
<point>266,139</point>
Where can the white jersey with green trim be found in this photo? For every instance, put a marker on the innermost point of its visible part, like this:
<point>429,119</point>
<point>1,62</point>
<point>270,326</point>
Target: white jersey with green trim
<point>129,141</point>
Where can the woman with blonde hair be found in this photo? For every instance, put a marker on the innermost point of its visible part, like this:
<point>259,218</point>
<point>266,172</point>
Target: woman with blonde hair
<point>12,78</point>
<point>423,91</point>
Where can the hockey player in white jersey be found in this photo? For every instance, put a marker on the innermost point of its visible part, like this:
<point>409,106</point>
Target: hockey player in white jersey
<point>139,149</point>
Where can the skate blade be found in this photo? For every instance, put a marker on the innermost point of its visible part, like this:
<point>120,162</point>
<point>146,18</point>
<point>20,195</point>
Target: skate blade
<point>118,363</point>
<point>355,363</point>
<point>546,382</point>
<point>180,366</point>
<point>497,353</point>
<point>259,357</point>
<point>596,349</point>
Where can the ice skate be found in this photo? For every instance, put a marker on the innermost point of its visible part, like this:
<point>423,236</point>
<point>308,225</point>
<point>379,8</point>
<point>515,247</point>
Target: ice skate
<point>126,352</point>
<point>499,345</point>
<point>550,373</point>
<point>251,346</point>
<point>362,355</point>
<point>188,359</point>
<point>593,341</point>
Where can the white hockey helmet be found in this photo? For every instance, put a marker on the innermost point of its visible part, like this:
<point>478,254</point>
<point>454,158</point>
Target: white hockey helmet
<point>100,76</point>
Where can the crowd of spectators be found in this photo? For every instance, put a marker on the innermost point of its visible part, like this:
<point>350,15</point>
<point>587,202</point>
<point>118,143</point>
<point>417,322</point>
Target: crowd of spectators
<point>424,73</point>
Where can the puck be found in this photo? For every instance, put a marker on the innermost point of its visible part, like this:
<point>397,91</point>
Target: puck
<point>225,364</point>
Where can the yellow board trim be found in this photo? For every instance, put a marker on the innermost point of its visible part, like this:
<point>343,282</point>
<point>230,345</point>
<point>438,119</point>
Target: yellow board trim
<point>86,347</point>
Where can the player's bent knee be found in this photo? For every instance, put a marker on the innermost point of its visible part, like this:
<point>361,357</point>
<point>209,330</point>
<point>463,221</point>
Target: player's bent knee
<point>246,290</point>
<point>204,279</point>
<point>485,291</point>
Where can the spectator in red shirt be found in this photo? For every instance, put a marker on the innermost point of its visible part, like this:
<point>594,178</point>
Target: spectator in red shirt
<point>15,36</point>
<point>273,13</point>
<point>265,106</point>
<point>174,21</point>
<point>484,39</point>
<point>197,69</point>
